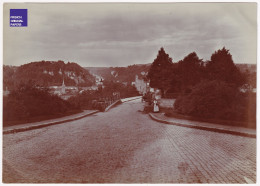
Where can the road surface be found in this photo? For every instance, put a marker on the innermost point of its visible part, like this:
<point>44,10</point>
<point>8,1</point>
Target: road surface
<point>124,145</point>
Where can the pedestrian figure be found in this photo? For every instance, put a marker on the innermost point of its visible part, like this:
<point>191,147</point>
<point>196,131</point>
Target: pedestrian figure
<point>144,97</point>
<point>155,106</point>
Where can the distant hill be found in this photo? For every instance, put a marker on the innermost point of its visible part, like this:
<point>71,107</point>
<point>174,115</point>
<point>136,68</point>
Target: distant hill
<point>250,67</point>
<point>120,74</point>
<point>48,73</point>
<point>8,76</point>
<point>51,73</point>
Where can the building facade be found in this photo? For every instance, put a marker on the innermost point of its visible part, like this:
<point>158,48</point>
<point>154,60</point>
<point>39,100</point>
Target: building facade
<point>141,85</point>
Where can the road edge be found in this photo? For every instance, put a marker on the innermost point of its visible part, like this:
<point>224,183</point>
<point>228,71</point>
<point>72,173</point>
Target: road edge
<point>120,101</point>
<point>22,129</point>
<point>219,130</point>
<point>113,105</point>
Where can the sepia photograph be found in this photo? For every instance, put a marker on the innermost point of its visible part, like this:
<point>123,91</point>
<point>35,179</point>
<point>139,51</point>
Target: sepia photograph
<point>129,93</point>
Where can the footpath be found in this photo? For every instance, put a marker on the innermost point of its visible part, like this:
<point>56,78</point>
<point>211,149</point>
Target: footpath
<point>240,131</point>
<point>45,123</point>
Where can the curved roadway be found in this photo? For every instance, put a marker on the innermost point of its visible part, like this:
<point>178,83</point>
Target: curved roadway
<point>124,145</point>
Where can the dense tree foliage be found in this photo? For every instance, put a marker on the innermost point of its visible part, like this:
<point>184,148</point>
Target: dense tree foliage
<point>84,100</point>
<point>101,98</point>
<point>217,100</point>
<point>207,99</point>
<point>187,73</point>
<point>28,101</point>
<point>250,80</point>
<point>124,90</point>
<point>212,89</point>
<point>221,67</point>
<point>161,71</point>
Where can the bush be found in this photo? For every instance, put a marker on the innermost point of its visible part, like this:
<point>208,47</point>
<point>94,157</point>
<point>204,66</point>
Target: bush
<point>84,100</point>
<point>124,90</point>
<point>93,99</point>
<point>28,101</point>
<point>217,100</point>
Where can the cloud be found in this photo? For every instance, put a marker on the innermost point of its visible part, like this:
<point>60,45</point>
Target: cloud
<point>123,34</point>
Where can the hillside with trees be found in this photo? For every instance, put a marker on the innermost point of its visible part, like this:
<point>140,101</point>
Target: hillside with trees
<point>120,74</point>
<point>47,73</point>
<point>9,76</point>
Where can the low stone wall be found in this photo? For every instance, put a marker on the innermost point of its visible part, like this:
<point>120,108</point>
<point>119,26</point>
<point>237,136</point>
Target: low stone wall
<point>166,103</point>
<point>130,98</point>
<point>112,105</point>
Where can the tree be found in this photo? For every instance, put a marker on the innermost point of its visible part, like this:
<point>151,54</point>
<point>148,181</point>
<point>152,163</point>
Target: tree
<point>160,71</point>
<point>189,72</point>
<point>221,67</point>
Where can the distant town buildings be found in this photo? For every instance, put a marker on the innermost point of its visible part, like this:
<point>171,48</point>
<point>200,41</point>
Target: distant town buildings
<point>94,87</point>
<point>141,85</point>
<point>63,91</point>
<point>66,92</point>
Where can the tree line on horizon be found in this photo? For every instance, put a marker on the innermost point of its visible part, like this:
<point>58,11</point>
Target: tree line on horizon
<point>180,76</point>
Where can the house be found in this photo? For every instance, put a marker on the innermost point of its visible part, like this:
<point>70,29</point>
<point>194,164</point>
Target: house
<point>141,85</point>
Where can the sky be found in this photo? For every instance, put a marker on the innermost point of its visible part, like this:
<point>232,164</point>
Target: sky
<point>122,34</point>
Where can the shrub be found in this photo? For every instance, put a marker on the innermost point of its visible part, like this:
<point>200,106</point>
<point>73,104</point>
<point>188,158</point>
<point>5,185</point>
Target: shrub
<point>84,100</point>
<point>28,101</point>
<point>217,100</point>
<point>93,99</point>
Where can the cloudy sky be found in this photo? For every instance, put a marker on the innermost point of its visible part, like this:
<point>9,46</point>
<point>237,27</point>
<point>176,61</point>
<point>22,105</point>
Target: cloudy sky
<point>125,34</point>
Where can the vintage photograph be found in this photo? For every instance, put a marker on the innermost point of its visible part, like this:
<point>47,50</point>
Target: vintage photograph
<point>129,93</point>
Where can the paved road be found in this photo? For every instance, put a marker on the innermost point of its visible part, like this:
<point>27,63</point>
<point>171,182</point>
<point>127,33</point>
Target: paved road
<point>126,146</point>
